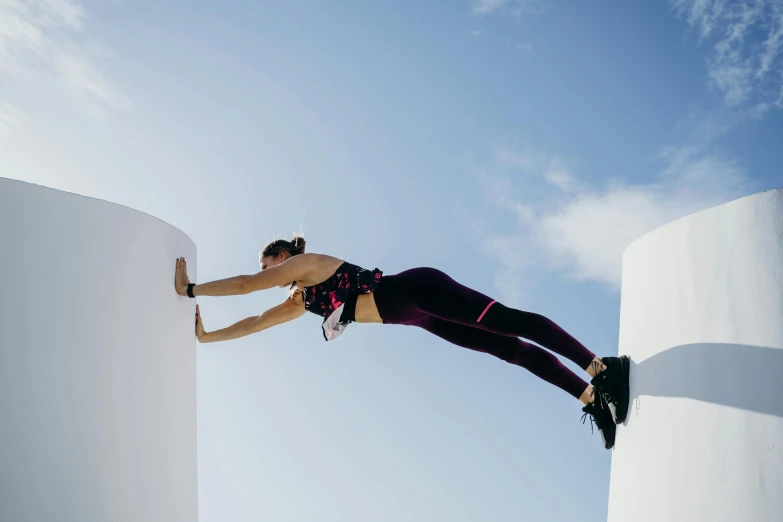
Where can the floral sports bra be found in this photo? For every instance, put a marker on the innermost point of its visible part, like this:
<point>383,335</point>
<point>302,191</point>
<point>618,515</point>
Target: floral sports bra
<point>335,298</point>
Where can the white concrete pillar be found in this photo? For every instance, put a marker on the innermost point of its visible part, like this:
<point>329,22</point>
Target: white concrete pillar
<point>702,319</point>
<point>97,363</point>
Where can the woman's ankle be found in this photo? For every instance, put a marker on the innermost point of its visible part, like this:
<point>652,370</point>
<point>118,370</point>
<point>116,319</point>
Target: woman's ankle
<point>596,366</point>
<point>588,395</point>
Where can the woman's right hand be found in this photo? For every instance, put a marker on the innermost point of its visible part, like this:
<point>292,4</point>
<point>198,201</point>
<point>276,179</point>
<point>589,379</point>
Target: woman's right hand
<point>200,332</point>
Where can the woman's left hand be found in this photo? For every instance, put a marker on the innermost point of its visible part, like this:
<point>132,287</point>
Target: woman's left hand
<point>181,280</point>
<point>200,332</point>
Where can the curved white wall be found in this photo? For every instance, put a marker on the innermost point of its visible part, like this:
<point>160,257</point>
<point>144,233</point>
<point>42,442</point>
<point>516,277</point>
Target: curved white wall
<point>97,363</point>
<point>702,319</point>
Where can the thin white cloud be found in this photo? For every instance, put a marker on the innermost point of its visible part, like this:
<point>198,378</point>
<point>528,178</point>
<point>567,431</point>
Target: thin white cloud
<point>11,118</point>
<point>560,178</point>
<point>45,40</point>
<point>744,62</point>
<point>520,44</point>
<point>584,230</point>
<point>525,46</point>
<point>772,48</point>
<point>487,6</point>
<point>512,7</point>
<point>552,169</point>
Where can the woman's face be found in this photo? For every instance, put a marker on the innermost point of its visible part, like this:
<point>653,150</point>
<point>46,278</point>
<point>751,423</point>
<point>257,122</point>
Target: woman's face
<point>270,261</point>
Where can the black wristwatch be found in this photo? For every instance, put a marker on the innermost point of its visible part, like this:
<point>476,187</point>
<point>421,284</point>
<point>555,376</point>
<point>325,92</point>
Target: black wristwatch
<point>190,289</point>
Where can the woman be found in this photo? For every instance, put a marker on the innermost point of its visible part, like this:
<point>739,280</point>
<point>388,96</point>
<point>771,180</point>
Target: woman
<point>343,293</point>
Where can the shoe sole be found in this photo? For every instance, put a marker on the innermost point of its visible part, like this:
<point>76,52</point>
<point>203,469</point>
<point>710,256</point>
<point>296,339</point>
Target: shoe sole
<point>622,407</point>
<point>609,445</point>
<point>609,428</point>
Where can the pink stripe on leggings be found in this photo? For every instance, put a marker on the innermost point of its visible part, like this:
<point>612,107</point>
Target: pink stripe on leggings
<point>485,311</point>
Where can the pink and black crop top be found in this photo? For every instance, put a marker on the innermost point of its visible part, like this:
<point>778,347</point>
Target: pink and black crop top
<point>335,298</point>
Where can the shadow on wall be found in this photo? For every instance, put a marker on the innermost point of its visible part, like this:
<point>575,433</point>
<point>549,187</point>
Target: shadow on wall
<point>736,375</point>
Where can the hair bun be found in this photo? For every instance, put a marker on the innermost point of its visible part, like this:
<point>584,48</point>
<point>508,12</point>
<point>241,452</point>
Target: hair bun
<point>299,244</point>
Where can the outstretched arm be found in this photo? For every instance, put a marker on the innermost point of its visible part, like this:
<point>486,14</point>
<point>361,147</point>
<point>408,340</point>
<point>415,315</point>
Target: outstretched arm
<point>282,313</point>
<point>290,270</point>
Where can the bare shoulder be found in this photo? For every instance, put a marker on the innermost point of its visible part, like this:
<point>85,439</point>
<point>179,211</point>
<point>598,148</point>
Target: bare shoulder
<point>319,268</point>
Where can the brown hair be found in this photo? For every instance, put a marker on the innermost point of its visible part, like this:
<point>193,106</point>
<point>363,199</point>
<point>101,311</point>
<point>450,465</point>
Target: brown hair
<point>294,247</point>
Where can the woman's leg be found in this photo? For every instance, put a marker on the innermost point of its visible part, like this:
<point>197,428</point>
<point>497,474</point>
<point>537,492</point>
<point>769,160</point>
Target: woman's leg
<point>511,349</point>
<point>435,293</point>
<point>401,301</point>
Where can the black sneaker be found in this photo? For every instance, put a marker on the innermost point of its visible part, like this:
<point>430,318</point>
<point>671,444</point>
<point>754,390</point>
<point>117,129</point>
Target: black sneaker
<point>612,383</point>
<point>599,413</point>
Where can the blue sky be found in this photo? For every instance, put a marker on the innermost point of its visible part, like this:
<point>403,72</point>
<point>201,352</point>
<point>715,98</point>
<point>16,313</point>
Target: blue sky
<point>518,146</point>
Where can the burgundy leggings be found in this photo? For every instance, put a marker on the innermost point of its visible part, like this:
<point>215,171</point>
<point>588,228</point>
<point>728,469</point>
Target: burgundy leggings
<point>428,298</point>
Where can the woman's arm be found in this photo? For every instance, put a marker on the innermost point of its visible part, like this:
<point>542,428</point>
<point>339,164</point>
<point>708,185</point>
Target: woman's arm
<point>290,270</point>
<point>229,286</point>
<point>282,313</point>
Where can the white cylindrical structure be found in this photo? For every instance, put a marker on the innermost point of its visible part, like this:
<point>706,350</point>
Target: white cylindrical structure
<point>97,363</point>
<point>702,319</point>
